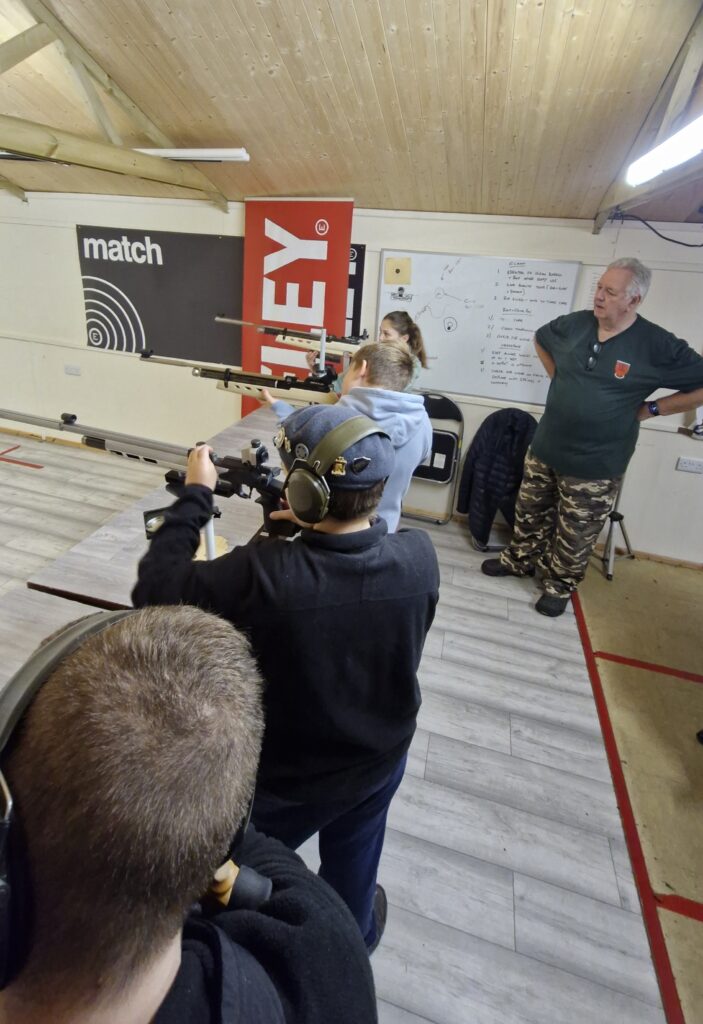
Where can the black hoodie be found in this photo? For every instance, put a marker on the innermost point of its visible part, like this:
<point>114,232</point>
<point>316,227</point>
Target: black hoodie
<point>299,959</point>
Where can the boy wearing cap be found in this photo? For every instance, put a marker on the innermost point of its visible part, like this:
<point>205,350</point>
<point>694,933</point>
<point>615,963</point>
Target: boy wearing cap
<point>337,619</point>
<point>374,386</point>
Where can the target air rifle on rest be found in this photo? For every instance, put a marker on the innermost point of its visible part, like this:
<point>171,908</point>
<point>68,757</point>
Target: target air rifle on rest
<point>316,388</point>
<point>315,340</point>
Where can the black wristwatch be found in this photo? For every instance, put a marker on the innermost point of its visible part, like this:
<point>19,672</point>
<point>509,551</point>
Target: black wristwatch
<point>653,408</point>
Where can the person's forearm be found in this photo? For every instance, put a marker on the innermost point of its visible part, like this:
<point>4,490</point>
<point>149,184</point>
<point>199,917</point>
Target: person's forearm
<point>682,401</point>
<point>171,550</point>
<point>281,409</point>
<point>544,358</point>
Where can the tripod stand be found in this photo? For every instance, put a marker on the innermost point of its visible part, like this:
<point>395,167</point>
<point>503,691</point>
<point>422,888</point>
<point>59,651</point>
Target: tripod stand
<point>608,557</point>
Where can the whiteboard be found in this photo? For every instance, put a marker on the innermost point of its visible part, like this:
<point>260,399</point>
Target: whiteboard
<point>478,315</point>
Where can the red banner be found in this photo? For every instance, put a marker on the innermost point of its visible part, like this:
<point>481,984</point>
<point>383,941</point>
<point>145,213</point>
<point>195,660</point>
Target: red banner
<point>296,273</point>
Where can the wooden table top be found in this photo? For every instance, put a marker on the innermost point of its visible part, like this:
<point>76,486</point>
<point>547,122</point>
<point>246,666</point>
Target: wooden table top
<point>102,569</point>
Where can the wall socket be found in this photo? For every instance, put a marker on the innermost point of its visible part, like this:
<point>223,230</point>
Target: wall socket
<point>71,369</point>
<point>688,465</point>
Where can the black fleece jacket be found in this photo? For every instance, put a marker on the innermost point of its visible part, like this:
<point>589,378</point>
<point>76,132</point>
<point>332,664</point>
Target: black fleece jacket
<point>299,959</point>
<point>493,469</point>
<point>337,623</point>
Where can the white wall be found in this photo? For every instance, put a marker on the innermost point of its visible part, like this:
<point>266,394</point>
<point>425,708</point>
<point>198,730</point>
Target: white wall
<point>663,508</point>
<point>42,328</point>
<point>42,322</point>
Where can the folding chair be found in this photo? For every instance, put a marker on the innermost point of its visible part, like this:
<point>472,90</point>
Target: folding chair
<point>433,487</point>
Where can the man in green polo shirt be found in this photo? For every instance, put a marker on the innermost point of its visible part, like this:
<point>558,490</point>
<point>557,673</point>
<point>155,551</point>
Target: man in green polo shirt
<point>603,366</point>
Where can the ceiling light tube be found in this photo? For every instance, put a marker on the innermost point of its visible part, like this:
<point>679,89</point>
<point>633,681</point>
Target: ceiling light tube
<point>200,155</point>
<point>674,151</point>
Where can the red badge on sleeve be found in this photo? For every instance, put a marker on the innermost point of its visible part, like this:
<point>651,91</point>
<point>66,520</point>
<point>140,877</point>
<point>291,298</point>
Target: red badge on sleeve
<point>621,369</point>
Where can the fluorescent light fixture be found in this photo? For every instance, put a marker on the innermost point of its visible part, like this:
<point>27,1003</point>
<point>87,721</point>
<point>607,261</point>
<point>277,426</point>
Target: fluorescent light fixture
<point>5,154</point>
<point>674,151</point>
<point>200,155</point>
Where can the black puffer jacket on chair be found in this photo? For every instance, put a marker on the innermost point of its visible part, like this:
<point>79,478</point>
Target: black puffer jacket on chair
<point>493,469</point>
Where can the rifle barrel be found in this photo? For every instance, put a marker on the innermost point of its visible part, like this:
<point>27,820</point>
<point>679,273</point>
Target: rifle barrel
<point>108,440</point>
<point>313,334</point>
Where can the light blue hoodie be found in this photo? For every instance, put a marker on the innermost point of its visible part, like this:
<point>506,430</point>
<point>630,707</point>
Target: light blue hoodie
<point>402,416</point>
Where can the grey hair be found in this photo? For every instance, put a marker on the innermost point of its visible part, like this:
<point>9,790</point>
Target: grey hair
<point>641,276</point>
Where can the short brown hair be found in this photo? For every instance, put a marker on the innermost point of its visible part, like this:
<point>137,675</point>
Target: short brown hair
<point>346,505</point>
<point>131,771</point>
<point>390,364</point>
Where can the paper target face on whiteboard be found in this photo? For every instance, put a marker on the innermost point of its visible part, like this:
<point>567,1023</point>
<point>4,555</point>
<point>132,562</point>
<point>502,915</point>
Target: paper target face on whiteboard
<point>478,316</point>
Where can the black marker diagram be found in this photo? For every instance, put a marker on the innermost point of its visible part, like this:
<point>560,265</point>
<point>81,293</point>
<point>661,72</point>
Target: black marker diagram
<point>478,315</point>
<point>447,308</point>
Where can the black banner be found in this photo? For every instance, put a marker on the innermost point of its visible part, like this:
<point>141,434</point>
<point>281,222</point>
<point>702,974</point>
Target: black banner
<point>160,291</point>
<point>357,255</point>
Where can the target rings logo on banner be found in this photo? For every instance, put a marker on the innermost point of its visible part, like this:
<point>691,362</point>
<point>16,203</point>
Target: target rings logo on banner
<point>112,319</point>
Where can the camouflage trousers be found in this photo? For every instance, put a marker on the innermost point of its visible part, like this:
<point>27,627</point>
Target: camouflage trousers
<point>557,522</point>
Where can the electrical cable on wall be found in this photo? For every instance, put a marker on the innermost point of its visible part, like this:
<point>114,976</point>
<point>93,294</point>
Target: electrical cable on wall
<point>619,215</point>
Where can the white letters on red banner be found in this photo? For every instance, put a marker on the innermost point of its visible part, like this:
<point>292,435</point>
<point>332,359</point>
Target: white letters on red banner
<point>296,271</point>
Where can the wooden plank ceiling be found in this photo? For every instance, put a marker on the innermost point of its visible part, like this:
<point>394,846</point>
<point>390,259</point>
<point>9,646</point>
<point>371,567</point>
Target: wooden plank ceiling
<point>510,107</point>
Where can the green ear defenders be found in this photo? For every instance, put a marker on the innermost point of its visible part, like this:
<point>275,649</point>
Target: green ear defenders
<point>305,488</point>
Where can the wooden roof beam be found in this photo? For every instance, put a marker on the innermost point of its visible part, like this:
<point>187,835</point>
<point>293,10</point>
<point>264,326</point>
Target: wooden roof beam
<point>9,186</point>
<point>42,14</point>
<point>685,82</point>
<point>87,87</point>
<point>624,197</point>
<point>80,58</point>
<point>17,49</point>
<point>29,138</point>
<point>669,104</point>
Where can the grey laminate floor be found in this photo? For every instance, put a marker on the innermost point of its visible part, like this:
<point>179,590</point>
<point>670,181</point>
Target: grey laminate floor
<point>44,511</point>
<point>511,899</point>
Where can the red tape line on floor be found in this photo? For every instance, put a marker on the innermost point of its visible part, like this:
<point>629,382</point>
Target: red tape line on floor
<point>18,462</point>
<point>680,905</point>
<point>660,955</point>
<point>650,666</point>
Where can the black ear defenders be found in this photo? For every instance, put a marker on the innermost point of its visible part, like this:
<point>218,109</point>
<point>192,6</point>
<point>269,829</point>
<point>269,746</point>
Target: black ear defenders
<point>15,698</point>
<point>305,488</point>
<point>250,890</point>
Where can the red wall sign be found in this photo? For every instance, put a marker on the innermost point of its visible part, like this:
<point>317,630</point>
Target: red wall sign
<point>296,273</point>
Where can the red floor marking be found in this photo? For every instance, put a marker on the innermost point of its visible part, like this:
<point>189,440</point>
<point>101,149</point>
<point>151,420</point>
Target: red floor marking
<point>680,905</point>
<point>660,955</point>
<point>94,602</point>
<point>650,666</point>
<point>18,462</point>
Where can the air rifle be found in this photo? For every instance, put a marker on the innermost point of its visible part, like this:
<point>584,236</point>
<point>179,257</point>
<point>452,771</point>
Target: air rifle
<point>317,387</point>
<point>314,340</point>
<point>236,476</point>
